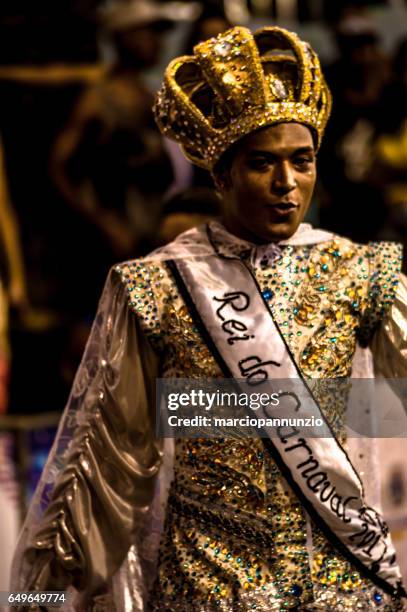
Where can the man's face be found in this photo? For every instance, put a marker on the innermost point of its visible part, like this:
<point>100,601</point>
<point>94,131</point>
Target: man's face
<point>267,189</point>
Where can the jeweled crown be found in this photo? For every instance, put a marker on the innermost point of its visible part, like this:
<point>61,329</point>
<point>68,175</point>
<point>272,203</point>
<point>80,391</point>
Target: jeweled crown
<point>239,82</point>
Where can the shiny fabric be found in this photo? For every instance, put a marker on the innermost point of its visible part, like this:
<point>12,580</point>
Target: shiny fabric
<point>98,513</point>
<point>389,344</point>
<point>106,461</point>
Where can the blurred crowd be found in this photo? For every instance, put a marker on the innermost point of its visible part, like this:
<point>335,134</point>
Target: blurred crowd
<point>86,180</point>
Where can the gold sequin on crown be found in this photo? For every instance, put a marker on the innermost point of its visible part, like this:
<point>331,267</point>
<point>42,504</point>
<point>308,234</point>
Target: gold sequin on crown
<point>236,83</point>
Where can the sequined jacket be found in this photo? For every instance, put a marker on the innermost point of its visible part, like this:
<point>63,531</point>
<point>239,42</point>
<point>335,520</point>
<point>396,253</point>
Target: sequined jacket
<point>231,533</point>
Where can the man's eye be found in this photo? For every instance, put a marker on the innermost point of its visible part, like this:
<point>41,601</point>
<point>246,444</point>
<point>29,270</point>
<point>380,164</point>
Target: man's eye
<point>302,162</point>
<point>259,164</point>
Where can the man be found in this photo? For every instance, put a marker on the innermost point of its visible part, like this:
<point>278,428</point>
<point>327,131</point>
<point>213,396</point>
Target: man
<point>357,80</point>
<point>185,210</point>
<point>109,162</point>
<point>272,523</point>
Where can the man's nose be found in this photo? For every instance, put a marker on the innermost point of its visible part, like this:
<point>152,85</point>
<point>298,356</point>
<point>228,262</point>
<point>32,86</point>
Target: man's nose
<point>283,179</point>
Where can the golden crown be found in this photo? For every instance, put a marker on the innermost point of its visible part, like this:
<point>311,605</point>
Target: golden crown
<point>239,82</point>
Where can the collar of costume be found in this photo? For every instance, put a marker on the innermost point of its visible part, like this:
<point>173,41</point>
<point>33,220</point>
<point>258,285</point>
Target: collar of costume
<point>238,325</point>
<point>228,245</point>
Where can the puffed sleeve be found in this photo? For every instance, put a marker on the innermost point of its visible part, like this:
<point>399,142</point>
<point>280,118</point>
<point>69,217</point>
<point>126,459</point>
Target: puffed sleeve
<point>389,344</point>
<point>100,476</point>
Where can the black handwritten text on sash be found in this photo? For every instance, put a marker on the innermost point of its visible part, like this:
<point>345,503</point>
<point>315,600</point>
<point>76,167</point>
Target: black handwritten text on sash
<point>252,367</point>
<point>372,531</point>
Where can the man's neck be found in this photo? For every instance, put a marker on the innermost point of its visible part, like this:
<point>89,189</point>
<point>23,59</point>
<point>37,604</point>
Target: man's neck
<point>245,234</point>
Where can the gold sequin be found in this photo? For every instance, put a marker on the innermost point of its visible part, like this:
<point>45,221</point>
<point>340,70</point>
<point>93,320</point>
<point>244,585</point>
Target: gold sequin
<point>235,535</point>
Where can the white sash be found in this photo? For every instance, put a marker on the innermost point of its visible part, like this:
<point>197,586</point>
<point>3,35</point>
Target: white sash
<point>225,301</point>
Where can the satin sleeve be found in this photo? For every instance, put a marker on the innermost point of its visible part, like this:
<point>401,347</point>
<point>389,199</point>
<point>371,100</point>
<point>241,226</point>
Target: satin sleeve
<point>100,476</point>
<point>389,343</point>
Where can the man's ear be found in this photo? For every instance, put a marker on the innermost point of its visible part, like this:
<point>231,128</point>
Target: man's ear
<point>222,180</point>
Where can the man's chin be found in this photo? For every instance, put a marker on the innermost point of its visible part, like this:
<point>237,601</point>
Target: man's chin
<point>278,231</point>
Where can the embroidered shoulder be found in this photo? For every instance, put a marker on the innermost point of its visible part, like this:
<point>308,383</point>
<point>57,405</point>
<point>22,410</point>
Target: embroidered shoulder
<point>149,288</point>
<point>333,254</point>
<point>384,259</point>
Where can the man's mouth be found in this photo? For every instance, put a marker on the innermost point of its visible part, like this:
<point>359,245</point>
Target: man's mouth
<point>283,208</point>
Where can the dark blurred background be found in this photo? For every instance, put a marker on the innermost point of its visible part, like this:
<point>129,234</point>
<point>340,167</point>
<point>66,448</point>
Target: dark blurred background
<point>86,180</point>
<point>80,148</point>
